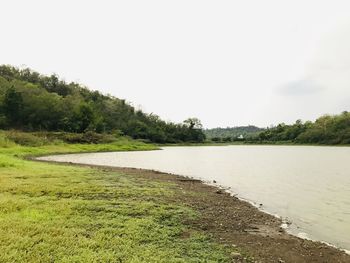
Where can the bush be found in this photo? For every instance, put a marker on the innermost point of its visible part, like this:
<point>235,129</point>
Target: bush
<point>5,142</point>
<point>25,139</point>
<point>44,138</point>
<point>227,139</point>
<point>3,121</point>
<point>216,139</point>
<point>88,137</point>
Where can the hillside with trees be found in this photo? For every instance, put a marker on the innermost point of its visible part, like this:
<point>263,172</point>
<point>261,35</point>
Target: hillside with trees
<point>30,101</point>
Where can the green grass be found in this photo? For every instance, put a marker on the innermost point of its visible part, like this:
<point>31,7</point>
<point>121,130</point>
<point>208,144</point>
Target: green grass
<point>59,213</point>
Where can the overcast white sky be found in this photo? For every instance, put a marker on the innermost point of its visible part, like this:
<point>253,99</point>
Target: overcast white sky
<point>226,62</point>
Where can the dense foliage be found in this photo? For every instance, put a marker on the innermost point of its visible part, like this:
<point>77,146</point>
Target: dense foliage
<point>231,133</point>
<point>328,129</point>
<point>32,102</point>
<point>325,130</point>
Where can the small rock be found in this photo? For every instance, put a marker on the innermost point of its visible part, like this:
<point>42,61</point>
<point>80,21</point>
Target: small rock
<point>235,255</point>
<point>214,181</point>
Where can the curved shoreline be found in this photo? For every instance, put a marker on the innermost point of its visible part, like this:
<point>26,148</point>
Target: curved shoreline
<point>285,224</point>
<point>243,224</point>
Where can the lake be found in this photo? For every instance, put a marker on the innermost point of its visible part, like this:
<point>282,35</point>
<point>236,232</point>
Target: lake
<point>307,185</point>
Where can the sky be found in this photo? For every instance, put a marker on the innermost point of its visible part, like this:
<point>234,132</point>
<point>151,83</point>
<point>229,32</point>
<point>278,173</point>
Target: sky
<point>229,63</point>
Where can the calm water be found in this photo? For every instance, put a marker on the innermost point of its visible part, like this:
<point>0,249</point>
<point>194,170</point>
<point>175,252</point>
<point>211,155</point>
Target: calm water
<point>310,186</point>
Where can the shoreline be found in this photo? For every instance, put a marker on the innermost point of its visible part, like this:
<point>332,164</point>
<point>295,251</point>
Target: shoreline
<point>234,221</point>
<point>285,223</point>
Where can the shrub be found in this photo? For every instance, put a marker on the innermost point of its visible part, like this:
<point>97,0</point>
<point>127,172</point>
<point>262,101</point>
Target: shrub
<point>216,139</point>
<point>5,142</point>
<point>88,137</point>
<point>3,121</point>
<point>25,139</point>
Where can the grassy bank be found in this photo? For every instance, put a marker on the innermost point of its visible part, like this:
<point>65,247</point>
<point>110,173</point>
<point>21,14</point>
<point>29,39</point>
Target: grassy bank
<point>60,213</point>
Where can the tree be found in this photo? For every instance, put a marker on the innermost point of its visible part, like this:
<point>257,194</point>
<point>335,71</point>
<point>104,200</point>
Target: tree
<point>84,118</point>
<point>193,123</point>
<point>194,132</point>
<point>13,105</point>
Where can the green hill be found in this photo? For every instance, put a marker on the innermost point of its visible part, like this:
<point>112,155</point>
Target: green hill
<point>30,101</point>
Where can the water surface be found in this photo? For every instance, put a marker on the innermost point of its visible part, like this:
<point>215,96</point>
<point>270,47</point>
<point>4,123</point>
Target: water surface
<point>308,185</point>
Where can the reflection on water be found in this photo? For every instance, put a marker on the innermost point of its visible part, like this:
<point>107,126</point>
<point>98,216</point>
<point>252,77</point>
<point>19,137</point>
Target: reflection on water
<point>308,185</point>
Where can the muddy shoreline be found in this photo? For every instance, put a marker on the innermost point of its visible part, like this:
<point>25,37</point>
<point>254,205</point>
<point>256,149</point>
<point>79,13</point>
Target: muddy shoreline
<point>235,222</point>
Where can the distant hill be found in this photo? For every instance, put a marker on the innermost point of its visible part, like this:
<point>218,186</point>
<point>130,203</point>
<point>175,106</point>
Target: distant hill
<point>232,132</point>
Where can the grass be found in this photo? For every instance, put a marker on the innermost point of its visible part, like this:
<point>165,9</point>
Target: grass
<point>60,213</point>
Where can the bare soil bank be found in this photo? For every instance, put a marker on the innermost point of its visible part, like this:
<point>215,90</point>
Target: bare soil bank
<point>233,222</point>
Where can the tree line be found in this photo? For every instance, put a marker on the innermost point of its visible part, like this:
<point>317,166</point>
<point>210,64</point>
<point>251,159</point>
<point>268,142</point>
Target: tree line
<point>230,134</point>
<point>327,129</point>
<point>31,101</point>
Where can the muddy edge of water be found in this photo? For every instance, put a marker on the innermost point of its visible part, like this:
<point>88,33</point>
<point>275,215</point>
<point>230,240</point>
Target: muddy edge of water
<point>233,221</point>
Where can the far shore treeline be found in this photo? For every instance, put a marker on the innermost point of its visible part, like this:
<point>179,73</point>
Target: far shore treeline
<point>33,102</point>
<point>327,130</point>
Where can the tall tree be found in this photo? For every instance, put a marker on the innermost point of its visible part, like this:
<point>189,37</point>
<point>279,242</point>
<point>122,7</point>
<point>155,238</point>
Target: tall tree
<point>12,106</point>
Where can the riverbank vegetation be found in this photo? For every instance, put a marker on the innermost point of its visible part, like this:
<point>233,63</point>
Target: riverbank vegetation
<point>30,101</point>
<point>61,213</point>
<point>326,130</point>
